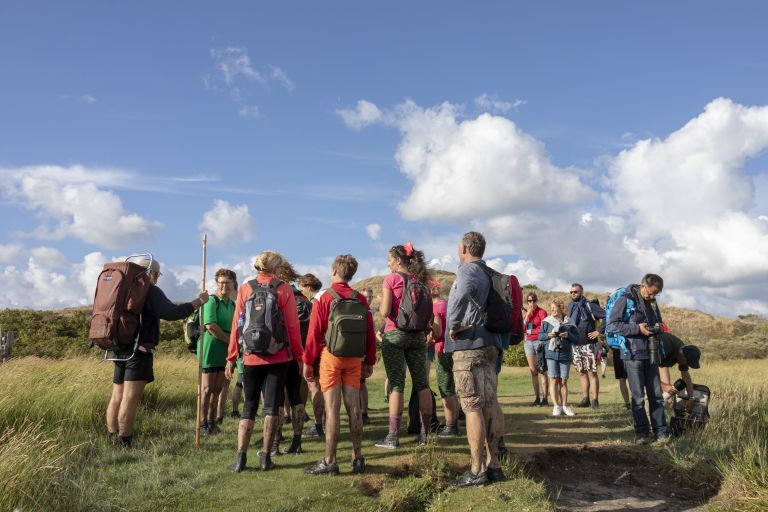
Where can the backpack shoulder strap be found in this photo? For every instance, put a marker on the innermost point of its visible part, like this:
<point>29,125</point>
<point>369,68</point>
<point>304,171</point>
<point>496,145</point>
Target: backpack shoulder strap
<point>254,283</point>
<point>333,293</point>
<point>354,295</point>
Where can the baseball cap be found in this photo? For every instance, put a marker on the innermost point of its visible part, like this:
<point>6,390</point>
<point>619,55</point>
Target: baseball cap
<point>692,355</point>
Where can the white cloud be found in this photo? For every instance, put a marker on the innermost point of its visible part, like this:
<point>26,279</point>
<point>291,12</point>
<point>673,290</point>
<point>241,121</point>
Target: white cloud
<point>279,75</point>
<point>491,103</point>
<point>11,253</point>
<point>87,98</point>
<point>251,111</point>
<point>365,114</point>
<point>228,224</point>
<point>374,231</point>
<point>72,205</point>
<point>233,63</point>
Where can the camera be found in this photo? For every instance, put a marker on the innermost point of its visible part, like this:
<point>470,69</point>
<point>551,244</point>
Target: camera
<point>558,340</point>
<point>653,344</point>
<point>679,384</point>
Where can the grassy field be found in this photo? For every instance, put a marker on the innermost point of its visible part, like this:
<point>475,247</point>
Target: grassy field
<point>54,454</point>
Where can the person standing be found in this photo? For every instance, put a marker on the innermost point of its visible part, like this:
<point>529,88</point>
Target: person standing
<point>636,317</point>
<point>532,346</point>
<point>340,375</point>
<point>557,335</point>
<point>475,352</point>
<point>310,286</point>
<point>264,373</point>
<point>444,364</point>
<point>585,315</point>
<point>134,370</point>
<point>217,320</point>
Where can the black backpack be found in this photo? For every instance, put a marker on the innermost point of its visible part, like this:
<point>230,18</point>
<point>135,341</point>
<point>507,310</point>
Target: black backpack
<point>414,415</point>
<point>304,312</point>
<point>497,314</point>
<point>193,329</point>
<point>264,332</point>
<point>415,312</point>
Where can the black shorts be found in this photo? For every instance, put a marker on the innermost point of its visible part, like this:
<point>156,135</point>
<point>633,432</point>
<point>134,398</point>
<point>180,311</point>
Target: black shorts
<point>293,381</point>
<point>618,365</point>
<point>213,369</point>
<point>266,378</point>
<point>138,368</point>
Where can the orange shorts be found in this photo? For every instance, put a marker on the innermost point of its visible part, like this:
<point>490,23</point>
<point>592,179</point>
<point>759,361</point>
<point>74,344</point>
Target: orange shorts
<point>336,371</point>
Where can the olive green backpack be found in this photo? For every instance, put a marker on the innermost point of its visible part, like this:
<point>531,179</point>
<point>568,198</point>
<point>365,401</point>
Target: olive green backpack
<point>347,326</point>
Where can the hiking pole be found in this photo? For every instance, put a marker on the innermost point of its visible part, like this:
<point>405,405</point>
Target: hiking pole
<point>200,352</point>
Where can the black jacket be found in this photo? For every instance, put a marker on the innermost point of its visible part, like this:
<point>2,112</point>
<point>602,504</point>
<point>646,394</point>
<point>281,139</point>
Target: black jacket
<point>157,307</point>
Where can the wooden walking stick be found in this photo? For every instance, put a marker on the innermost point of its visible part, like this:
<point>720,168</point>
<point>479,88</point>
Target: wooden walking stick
<point>200,352</point>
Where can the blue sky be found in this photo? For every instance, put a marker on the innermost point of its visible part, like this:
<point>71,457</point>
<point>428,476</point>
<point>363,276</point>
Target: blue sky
<point>170,107</point>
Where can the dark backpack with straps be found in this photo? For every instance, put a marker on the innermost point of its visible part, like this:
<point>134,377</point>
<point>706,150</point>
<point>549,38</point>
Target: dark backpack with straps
<point>415,312</point>
<point>304,312</point>
<point>503,311</point>
<point>347,333</point>
<point>264,332</point>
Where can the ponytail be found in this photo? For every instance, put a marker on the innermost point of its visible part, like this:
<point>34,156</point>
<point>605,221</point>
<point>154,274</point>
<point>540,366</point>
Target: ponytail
<point>412,260</point>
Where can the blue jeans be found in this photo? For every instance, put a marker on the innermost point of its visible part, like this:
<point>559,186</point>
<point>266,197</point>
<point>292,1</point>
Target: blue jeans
<point>643,379</point>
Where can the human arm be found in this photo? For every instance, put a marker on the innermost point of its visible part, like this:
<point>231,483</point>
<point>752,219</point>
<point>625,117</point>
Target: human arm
<point>233,351</point>
<point>370,345</point>
<point>386,299</point>
<point>459,301</point>
<point>318,325</point>
<point>545,331</point>
<point>162,307</point>
<point>599,314</point>
<point>686,376</point>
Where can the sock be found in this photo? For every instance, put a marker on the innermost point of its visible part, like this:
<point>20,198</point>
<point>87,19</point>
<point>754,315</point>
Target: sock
<point>394,424</point>
<point>426,423</point>
<point>450,426</point>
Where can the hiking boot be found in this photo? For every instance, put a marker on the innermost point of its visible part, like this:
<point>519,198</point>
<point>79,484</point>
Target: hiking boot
<point>366,419</point>
<point>495,475</point>
<point>204,429</point>
<point>557,410</point>
<point>295,446</point>
<point>213,428</point>
<point>265,462</point>
<point>239,464</point>
<point>314,431</point>
<point>595,404</point>
<point>390,442</point>
<point>358,466</point>
<point>469,479</point>
<point>641,440</point>
<point>536,402</point>
<point>421,439</point>
<point>235,414</point>
<point>568,411</point>
<point>125,441</point>
<point>448,431</point>
<point>322,468</point>
<point>584,402</point>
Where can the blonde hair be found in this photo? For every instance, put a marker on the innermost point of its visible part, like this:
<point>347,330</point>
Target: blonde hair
<point>272,262</point>
<point>560,305</point>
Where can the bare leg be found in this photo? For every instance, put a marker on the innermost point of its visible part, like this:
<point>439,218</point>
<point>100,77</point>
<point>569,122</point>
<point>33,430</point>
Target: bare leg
<point>425,409</point>
<point>207,396</point>
<point>132,391</point>
<point>451,409</point>
<point>237,396</point>
<point>216,382</point>
<point>363,397</point>
<point>223,395</point>
<point>298,419</point>
<point>544,385</point>
<point>624,390</point>
<point>534,376</point>
<point>554,391</point>
<point>113,408</point>
<point>564,391</point>
<point>270,431</point>
<point>494,430</point>
<point>244,431</point>
<point>584,381</point>
<point>351,401</point>
<point>332,399</point>
<point>396,403</point>
<point>594,383</point>
<point>476,438</point>
<point>318,404</point>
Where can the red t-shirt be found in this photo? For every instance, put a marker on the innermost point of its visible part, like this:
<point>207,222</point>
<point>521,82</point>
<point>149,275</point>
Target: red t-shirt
<point>318,324</point>
<point>533,323</point>
<point>440,310</point>
<point>287,305</point>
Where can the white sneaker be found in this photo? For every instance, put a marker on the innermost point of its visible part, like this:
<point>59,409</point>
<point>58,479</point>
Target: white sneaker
<point>568,411</point>
<point>557,410</point>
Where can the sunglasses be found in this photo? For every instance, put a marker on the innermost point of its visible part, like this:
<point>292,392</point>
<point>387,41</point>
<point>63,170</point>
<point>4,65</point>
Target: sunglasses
<point>575,292</point>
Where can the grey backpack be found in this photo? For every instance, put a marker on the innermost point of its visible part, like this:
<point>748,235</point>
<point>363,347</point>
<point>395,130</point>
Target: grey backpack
<point>347,326</point>
<point>264,332</point>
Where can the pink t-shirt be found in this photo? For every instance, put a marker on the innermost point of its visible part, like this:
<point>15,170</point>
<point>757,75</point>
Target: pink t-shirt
<point>394,282</point>
<point>440,310</point>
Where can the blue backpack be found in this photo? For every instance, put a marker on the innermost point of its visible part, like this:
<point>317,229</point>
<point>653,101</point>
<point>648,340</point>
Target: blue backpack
<point>614,339</point>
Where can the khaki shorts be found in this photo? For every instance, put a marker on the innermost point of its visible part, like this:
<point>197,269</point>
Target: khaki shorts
<point>474,372</point>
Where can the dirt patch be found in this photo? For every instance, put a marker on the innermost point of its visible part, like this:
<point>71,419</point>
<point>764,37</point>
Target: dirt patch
<point>612,478</point>
<point>372,485</point>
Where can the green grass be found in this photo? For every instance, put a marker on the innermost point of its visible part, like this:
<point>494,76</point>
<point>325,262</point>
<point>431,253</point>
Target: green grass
<point>54,454</point>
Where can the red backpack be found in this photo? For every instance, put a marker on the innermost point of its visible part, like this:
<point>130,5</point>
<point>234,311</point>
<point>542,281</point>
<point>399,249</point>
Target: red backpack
<point>121,291</point>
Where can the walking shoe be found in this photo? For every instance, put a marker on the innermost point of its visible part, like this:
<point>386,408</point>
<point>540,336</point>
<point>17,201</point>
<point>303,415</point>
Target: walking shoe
<point>235,414</point>
<point>568,411</point>
<point>595,404</point>
<point>536,402</point>
<point>469,479</point>
<point>366,419</point>
<point>448,431</point>
<point>295,446</point>
<point>321,468</point>
<point>265,462</point>
<point>125,441</point>
<point>584,402</point>
<point>421,439</point>
<point>495,475</point>
<point>239,464</point>
<point>641,440</point>
<point>544,403</point>
<point>314,431</point>
<point>358,466</point>
<point>557,410</point>
<point>390,442</point>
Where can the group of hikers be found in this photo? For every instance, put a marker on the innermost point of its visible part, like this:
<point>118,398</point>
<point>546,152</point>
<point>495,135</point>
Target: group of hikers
<point>288,339</point>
